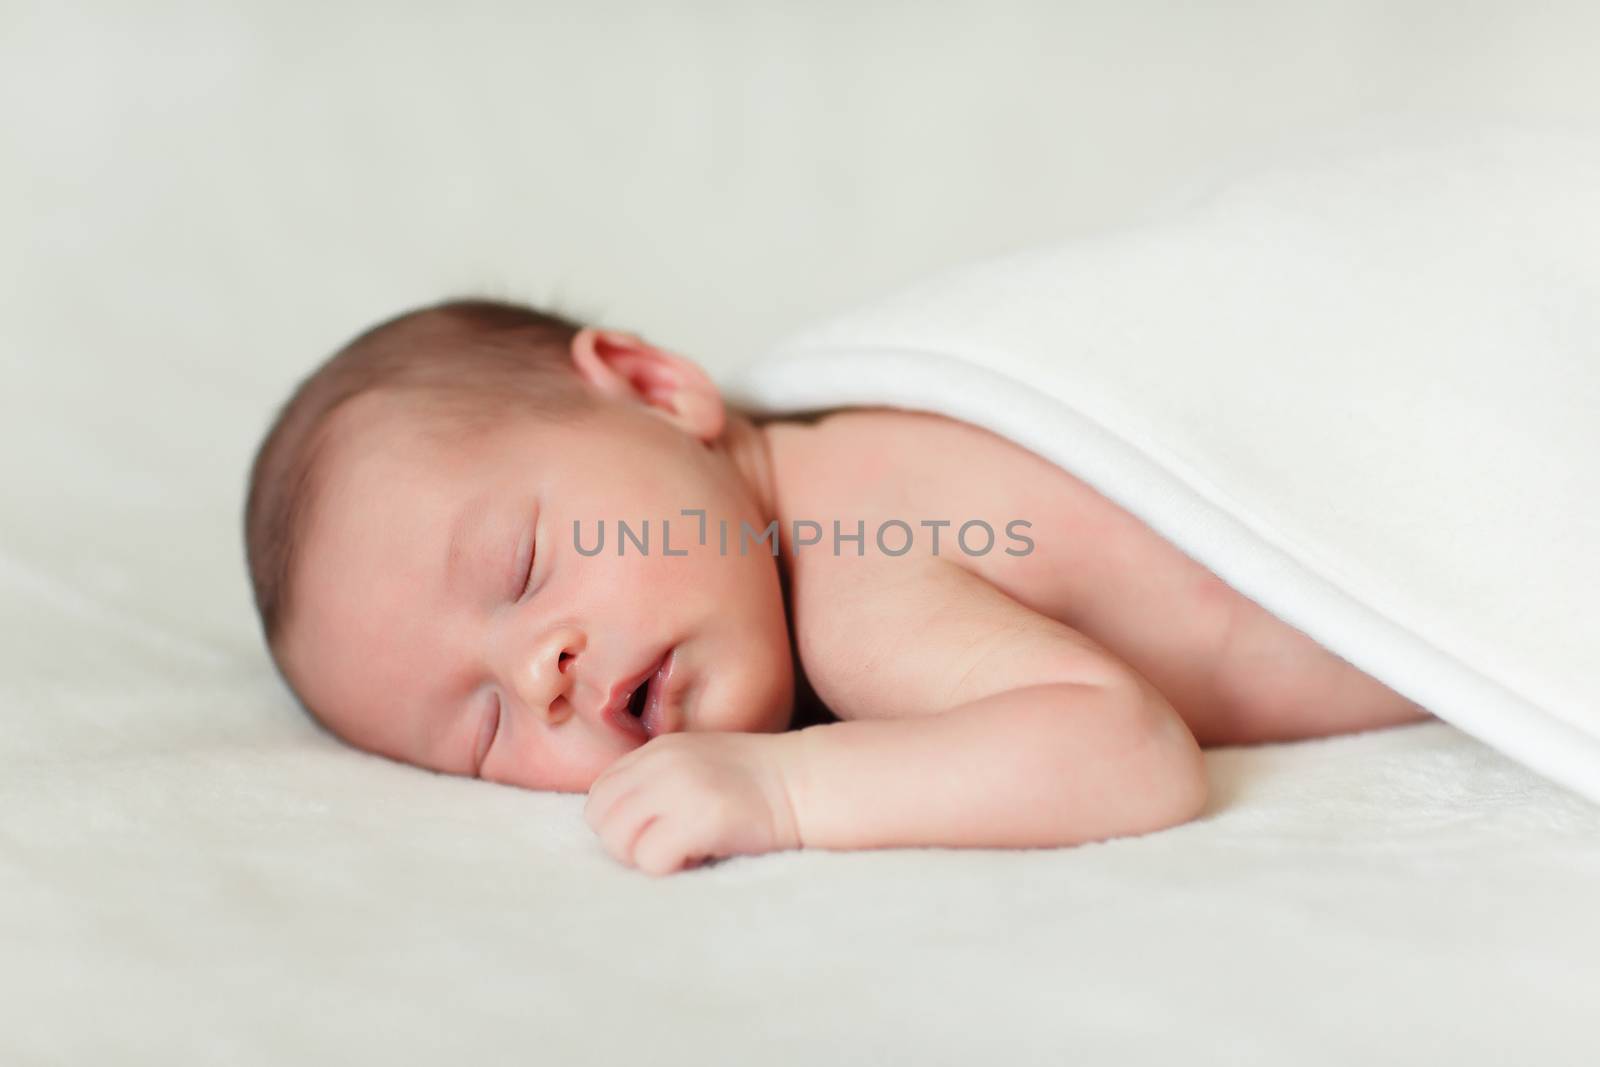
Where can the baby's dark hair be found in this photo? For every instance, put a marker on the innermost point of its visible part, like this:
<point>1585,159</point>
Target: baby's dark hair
<point>463,361</point>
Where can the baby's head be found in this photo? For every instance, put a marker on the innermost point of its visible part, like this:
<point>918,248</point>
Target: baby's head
<point>413,525</point>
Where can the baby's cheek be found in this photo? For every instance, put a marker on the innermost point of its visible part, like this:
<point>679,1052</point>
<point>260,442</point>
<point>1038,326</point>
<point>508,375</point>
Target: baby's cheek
<point>552,763</point>
<point>767,701</point>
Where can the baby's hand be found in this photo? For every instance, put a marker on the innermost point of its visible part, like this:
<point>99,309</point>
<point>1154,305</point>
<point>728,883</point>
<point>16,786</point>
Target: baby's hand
<point>683,798</point>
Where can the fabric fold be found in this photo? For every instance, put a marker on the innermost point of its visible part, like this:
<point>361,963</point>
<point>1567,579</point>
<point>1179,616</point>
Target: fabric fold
<point>1360,386</point>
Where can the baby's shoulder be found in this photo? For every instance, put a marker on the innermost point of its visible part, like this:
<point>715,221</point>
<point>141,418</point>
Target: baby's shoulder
<point>892,460</point>
<point>900,522</point>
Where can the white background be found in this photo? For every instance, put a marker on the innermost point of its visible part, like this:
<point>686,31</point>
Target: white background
<point>201,201</point>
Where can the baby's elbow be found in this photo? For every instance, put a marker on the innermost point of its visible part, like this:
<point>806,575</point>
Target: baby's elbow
<point>1187,789</point>
<point>1172,781</point>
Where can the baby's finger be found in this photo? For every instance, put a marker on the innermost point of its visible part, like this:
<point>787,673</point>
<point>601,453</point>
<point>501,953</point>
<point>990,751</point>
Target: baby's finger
<point>619,828</point>
<point>622,764</point>
<point>664,847</point>
<point>607,789</point>
<point>604,795</point>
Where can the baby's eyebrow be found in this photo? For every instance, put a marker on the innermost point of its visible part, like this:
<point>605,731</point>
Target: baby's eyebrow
<point>456,549</point>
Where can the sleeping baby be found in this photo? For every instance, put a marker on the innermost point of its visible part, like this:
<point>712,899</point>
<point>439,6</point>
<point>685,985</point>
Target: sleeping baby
<point>490,541</point>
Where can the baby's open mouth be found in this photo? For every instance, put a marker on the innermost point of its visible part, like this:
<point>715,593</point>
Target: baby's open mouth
<point>637,698</point>
<point>641,713</point>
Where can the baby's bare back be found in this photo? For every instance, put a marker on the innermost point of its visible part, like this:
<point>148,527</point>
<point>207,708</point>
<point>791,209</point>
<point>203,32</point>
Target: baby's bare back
<point>1234,672</point>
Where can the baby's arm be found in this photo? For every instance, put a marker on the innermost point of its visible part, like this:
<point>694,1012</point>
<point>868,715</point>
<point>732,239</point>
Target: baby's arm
<point>975,721</point>
<point>1037,766</point>
<point>969,721</point>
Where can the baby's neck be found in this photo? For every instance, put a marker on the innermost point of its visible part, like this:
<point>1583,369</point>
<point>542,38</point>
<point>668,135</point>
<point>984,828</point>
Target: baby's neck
<point>748,449</point>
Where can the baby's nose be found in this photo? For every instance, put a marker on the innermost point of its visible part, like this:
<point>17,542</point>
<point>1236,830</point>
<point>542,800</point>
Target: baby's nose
<point>546,669</point>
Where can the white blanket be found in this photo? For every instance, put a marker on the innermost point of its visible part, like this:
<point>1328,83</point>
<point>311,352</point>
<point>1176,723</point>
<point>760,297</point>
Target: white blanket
<point>1361,387</point>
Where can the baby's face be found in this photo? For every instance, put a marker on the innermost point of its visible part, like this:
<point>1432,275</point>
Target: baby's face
<point>445,617</point>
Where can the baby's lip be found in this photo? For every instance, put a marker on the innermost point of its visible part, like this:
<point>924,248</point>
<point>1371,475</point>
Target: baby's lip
<point>615,709</point>
<point>661,717</point>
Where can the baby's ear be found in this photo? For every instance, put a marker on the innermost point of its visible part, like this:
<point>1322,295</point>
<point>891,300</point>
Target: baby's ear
<point>627,368</point>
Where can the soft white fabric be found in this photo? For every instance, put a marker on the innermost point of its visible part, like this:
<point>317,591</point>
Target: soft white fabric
<point>269,897</point>
<point>1361,387</point>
